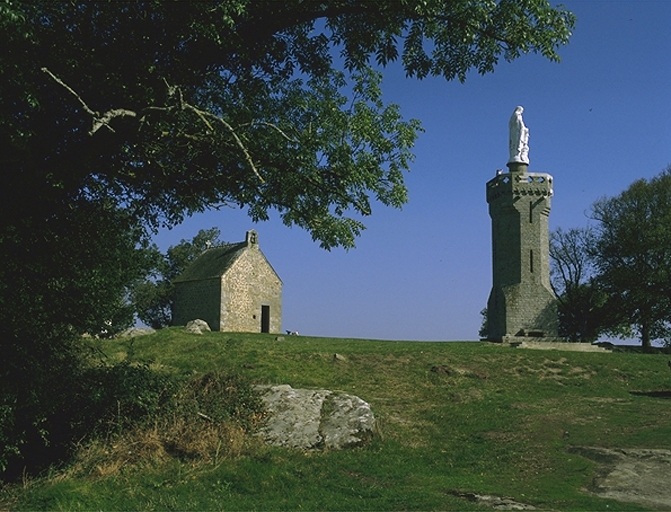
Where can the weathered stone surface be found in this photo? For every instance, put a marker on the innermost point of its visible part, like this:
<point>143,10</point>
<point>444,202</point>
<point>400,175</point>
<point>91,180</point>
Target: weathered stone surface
<point>635,475</point>
<point>295,416</point>
<point>310,419</point>
<point>630,475</point>
<point>521,302</point>
<point>349,421</point>
<point>133,332</point>
<point>197,326</point>
<point>495,502</point>
<point>549,345</point>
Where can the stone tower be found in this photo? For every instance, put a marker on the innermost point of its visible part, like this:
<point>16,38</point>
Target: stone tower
<point>521,303</point>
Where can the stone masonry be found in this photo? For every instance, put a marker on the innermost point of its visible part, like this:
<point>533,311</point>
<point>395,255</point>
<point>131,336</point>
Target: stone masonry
<point>521,303</point>
<point>233,288</point>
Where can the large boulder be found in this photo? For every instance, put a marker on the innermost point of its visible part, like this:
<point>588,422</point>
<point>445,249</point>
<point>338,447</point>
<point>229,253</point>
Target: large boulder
<point>310,419</point>
<point>197,326</point>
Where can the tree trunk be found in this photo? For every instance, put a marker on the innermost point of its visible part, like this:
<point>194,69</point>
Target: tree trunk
<point>645,336</point>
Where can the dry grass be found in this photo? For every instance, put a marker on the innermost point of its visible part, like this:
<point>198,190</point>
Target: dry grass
<point>207,420</point>
<point>196,440</point>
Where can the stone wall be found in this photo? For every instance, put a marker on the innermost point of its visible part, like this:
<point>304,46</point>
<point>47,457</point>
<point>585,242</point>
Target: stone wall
<point>197,299</point>
<point>248,285</point>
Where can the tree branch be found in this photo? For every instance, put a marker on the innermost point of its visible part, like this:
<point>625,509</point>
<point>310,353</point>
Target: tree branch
<point>71,91</point>
<point>106,118</point>
<point>203,114</point>
<point>98,120</point>
<point>103,120</point>
<point>273,126</point>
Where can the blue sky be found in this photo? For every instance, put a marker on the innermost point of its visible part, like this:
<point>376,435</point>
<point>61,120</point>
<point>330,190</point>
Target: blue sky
<point>598,120</point>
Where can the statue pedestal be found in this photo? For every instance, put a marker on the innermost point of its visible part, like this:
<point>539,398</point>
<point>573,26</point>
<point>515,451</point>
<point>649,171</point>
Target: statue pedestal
<point>519,167</point>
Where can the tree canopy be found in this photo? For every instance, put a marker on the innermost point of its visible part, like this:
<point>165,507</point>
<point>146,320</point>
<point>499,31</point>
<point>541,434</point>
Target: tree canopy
<point>614,277</point>
<point>173,107</point>
<point>632,254</point>
<point>583,307</point>
<point>118,117</point>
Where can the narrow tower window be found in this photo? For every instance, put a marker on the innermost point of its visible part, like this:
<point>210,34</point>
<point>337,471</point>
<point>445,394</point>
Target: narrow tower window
<point>531,212</point>
<point>531,261</point>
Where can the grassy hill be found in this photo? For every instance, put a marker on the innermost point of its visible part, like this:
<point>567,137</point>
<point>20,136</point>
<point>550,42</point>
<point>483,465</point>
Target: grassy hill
<point>452,417</point>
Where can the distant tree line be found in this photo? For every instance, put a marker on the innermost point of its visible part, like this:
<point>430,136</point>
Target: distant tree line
<point>614,275</point>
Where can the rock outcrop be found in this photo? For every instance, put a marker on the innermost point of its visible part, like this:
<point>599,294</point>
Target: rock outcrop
<point>635,475</point>
<point>134,332</point>
<point>309,419</point>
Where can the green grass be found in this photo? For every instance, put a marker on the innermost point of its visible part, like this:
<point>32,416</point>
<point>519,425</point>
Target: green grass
<point>467,417</point>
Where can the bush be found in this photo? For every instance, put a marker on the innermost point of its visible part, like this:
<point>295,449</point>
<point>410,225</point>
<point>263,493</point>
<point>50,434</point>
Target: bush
<point>223,397</point>
<point>205,420</point>
<point>112,398</point>
<point>37,380</point>
<point>108,416</point>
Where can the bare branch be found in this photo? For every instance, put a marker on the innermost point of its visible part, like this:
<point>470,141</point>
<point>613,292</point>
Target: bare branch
<point>204,114</point>
<point>98,120</point>
<point>200,113</point>
<point>71,91</point>
<point>106,118</point>
<point>275,127</point>
<point>103,120</point>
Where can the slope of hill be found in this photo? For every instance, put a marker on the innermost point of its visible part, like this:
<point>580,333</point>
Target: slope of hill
<point>455,420</point>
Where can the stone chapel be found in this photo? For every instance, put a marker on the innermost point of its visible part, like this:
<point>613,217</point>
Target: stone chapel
<point>233,288</point>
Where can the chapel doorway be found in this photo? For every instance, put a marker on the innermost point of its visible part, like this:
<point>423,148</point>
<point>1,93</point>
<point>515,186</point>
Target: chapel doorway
<point>265,319</point>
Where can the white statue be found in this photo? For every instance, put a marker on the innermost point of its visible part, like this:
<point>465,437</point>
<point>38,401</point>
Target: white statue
<point>519,138</point>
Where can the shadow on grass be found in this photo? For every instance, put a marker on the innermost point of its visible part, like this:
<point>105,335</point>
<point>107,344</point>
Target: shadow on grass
<point>652,394</point>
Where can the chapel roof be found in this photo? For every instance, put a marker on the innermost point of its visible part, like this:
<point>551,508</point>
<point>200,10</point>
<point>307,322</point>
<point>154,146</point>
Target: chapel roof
<point>216,261</point>
<point>213,263</point>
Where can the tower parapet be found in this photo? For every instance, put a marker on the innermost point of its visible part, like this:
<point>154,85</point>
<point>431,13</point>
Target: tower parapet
<point>519,185</point>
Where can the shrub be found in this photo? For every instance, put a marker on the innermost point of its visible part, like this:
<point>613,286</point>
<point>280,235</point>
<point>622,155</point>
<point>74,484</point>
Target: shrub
<point>112,398</point>
<point>204,420</point>
<point>223,397</point>
<point>129,411</point>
